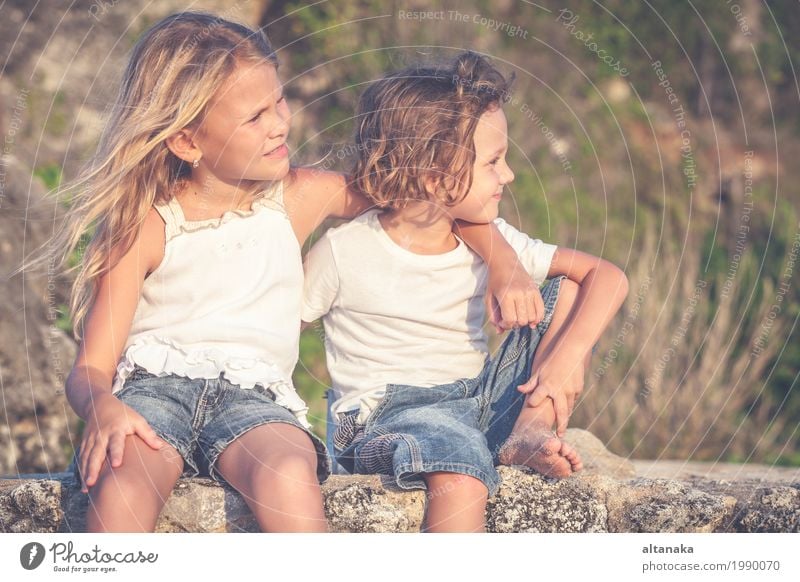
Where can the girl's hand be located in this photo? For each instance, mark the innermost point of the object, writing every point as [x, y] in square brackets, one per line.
[513, 299]
[559, 377]
[104, 434]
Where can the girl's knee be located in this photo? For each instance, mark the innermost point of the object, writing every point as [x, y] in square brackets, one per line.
[294, 467]
[143, 469]
[116, 486]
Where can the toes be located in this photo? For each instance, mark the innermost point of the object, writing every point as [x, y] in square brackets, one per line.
[572, 456]
[551, 446]
[557, 467]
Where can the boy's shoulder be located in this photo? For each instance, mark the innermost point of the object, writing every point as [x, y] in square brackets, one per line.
[358, 227]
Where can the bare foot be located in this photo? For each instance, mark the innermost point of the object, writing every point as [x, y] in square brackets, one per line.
[539, 448]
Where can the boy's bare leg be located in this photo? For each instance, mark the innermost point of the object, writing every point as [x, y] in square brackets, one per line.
[532, 441]
[129, 498]
[274, 467]
[456, 503]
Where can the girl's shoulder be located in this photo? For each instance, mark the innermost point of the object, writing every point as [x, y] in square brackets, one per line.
[311, 182]
[310, 196]
[152, 239]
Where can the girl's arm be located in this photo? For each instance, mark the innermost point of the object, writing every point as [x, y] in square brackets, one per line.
[602, 289]
[311, 196]
[106, 328]
[512, 297]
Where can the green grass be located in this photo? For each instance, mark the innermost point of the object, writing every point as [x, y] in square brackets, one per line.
[50, 175]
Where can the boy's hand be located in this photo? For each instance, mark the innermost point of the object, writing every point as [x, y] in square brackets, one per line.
[560, 378]
[104, 434]
[513, 299]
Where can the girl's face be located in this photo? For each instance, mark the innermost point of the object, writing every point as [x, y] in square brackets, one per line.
[243, 135]
[490, 172]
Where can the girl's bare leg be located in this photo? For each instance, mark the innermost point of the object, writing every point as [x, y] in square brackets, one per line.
[532, 441]
[129, 498]
[456, 503]
[274, 467]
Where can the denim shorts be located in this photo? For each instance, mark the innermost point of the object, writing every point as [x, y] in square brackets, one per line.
[457, 427]
[201, 417]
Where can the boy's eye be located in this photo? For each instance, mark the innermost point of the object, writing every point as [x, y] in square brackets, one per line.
[256, 118]
[494, 161]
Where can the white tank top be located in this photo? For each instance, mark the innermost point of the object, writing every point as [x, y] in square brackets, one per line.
[226, 298]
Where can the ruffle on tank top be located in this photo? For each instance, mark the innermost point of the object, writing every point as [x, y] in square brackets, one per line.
[179, 224]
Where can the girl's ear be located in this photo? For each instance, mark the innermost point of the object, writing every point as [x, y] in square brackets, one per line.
[182, 144]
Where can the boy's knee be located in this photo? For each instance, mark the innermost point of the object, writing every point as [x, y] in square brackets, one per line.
[568, 291]
[465, 486]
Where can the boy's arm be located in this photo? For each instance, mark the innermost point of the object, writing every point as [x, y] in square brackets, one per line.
[603, 288]
[560, 375]
[512, 296]
[321, 282]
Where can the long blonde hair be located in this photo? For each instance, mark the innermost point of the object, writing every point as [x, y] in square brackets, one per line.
[174, 71]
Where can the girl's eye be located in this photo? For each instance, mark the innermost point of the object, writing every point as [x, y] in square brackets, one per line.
[256, 118]
[494, 161]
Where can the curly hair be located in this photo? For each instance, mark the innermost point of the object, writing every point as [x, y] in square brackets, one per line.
[416, 128]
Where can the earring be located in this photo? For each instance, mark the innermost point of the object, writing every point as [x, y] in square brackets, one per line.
[196, 163]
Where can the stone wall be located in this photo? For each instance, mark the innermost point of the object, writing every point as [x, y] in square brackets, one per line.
[607, 496]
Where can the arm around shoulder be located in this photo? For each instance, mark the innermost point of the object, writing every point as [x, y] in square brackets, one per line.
[313, 195]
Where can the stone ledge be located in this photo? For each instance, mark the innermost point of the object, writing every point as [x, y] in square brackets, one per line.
[606, 496]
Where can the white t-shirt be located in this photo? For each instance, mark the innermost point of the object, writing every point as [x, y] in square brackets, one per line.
[392, 316]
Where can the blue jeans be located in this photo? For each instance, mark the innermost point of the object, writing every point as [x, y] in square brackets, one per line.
[201, 417]
[457, 427]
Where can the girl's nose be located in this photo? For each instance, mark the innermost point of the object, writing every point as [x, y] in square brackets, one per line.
[284, 119]
[280, 129]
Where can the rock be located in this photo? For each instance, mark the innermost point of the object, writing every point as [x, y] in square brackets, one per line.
[361, 503]
[660, 505]
[597, 459]
[771, 508]
[31, 506]
[526, 502]
[759, 506]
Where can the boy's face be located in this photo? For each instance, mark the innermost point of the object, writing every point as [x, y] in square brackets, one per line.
[490, 172]
[243, 134]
